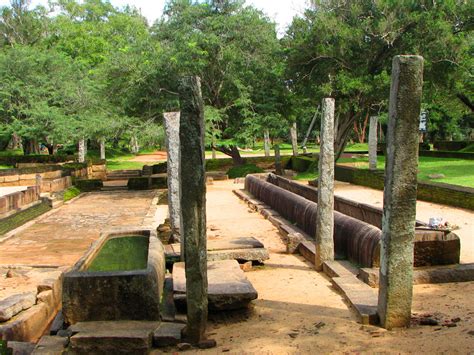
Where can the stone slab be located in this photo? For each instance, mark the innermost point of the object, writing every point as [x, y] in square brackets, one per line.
[340, 268]
[258, 255]
[307, 249]
[114, 337]
[228, 287]
[50, 345]
[21, 348]
[426, 275]
[361, 297]
[11, 306]
[168, 334]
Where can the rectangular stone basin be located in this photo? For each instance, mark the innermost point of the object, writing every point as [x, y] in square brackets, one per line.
[120, 278]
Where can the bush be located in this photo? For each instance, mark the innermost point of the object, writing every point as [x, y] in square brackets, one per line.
[243, 170]
[89, 184]
[302, 163]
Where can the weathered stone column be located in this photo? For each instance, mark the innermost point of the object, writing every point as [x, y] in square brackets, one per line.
[81, 151]
[193, 205]
[266, 142]
[373, 142]
[294, 139]
[171, 123]
[278, 167]
[399, 211]
[102, 148]
[325, 217]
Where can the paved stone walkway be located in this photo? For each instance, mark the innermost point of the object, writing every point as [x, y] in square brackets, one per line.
[63, 236]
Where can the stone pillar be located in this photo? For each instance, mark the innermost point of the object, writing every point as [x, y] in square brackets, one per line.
[266, 142]
[81, 151]
[171, 123]
[193, 205]
[214, 154]
[39, 182]
[278, 167]
[102, 148]
[294, 139]
[399, 210]
[373, 143]
[325, 216]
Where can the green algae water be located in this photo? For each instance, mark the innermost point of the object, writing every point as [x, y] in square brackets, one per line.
[122, 254]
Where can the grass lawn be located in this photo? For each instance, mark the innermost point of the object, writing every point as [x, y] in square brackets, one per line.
[5, 167]
[456, 171]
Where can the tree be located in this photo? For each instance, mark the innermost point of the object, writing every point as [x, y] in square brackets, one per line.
[343, 49]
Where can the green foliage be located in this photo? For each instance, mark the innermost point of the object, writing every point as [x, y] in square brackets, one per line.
[71, 193]
[243, 170]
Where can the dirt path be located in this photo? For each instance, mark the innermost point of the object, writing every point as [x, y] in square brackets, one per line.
[298, 311]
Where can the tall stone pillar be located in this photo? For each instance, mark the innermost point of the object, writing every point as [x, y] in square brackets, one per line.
[294, 139]
[325, 217]
[102, 148]
[266, 142]
[171, 123]
[193, 205]
[399, 211]
[278, 167]
[82, 150]
[373, 143]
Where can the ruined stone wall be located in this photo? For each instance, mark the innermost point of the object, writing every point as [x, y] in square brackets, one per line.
[18, 200]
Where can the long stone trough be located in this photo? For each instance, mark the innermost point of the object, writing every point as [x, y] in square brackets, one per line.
[354, 239]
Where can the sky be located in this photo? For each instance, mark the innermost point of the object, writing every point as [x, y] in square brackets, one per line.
[281, 11]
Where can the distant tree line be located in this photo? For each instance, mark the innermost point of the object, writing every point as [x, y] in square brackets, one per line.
[88, 70]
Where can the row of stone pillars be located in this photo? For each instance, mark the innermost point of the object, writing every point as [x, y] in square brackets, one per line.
[399, 211]
[188, 208]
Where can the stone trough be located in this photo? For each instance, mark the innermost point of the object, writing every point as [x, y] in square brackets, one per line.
[106, 284]
[355, 240]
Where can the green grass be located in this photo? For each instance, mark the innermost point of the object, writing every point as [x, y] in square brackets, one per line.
[70, 193]
[357, 147]
[456, 171]
[306, 176]
[11, 152]
[126, 165]
[20, 218]
[5, 167]
[468, 149]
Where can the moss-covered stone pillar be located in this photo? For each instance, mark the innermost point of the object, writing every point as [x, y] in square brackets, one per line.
[399, 212]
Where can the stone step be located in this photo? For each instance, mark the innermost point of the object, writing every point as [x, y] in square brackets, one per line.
[361, 297]
[168, 334]
[114, 188]
[228, 287]
[114, 337]
[339, 268]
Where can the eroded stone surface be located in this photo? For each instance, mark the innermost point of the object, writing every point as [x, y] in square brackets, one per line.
[373, 142]
[13, 305]
[228, 287]
[398, 224]
[168, 334]
[50, 345]
[325, 217]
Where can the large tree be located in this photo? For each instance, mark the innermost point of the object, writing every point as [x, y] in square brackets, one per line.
[344, 48]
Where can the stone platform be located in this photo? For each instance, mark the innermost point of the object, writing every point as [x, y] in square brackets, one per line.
[228, 287]
[242, 249]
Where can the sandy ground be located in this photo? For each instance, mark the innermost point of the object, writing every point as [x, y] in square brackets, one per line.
[299, 312]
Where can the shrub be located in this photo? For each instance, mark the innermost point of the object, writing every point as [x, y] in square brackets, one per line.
[243, 170]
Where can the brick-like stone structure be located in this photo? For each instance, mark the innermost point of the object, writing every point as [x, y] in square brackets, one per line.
[325, 217]
[193, 205]
[398, 225]
[171, 123]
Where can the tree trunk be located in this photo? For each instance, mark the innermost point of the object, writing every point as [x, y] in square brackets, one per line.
[134, 145]
[233, 152]
[50, 147]
[343, 129]
[30, 146]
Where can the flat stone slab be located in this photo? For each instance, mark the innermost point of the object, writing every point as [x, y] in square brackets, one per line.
[245, 248]
[21, 348]
[11, 306]
[115, 337]
[339, 268]
[50, 345]
[228, 287]
[361, 296]
[168, 334]
[426, 275]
